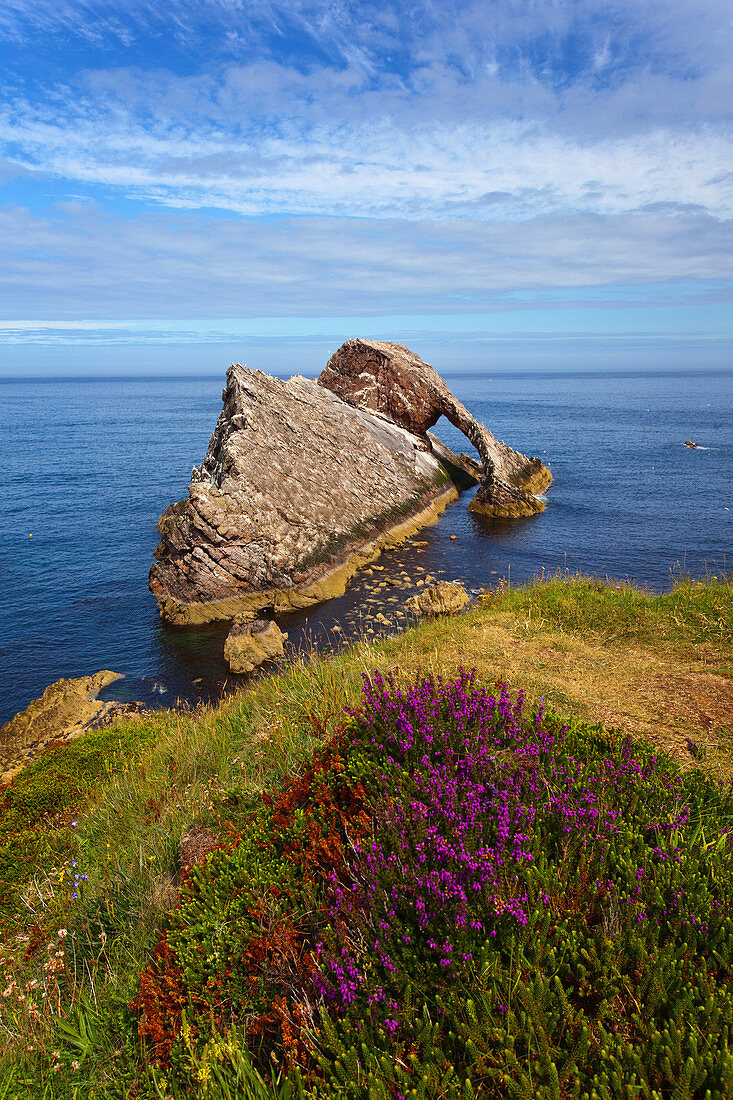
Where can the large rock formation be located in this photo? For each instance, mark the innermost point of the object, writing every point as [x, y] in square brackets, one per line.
[301, 486]
[391, 379]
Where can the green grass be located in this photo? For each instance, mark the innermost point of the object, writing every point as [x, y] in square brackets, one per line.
[691, 613]
[135, 788]
[38, 809]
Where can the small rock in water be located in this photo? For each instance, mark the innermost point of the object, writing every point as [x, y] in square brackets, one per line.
[251, 642]
[439, 599]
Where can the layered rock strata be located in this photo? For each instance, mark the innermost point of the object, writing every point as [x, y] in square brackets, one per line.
[297, 490]
[301, 486]
[391, 379]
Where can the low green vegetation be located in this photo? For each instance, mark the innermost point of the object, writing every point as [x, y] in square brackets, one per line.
[37, 810]
[693, 612]
[446, 892]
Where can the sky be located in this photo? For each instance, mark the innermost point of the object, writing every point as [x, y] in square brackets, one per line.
[496, 183]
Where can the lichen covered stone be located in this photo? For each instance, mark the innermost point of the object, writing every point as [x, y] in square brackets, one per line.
[251, 642]
[442, 598]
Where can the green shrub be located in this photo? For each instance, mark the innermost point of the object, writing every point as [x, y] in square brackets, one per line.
[456, 900]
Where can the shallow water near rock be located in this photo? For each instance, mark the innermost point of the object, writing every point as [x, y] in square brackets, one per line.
[89, 465]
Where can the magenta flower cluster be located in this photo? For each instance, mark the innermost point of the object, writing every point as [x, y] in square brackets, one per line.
[471, 794]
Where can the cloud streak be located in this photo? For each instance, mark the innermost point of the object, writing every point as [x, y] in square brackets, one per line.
[406, 111]
[366, 163]
[85, 262]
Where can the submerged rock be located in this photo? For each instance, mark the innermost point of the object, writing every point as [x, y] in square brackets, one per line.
[251, 642]
[442, 598]
[304, 482]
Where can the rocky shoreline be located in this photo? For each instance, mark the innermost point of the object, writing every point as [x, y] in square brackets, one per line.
[65, 710]
[304, 484]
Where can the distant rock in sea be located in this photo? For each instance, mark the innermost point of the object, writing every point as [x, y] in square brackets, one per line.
[304, 482]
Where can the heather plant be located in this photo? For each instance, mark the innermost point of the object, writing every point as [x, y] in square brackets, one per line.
[455, 899]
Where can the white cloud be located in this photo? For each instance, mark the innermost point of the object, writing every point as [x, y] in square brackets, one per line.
[430, 154]
[317, 107]
[188, 143]
[84, 262]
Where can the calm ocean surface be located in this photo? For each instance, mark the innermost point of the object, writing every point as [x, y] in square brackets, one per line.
[87, 466]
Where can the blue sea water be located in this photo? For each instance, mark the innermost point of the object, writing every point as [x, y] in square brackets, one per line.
[88, 465]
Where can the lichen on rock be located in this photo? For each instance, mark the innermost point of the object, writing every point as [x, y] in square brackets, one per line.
[65, 709]
[251, 642]
[441, 598]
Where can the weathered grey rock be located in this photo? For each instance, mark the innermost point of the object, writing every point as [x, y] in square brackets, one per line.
[298, 489]
[391, 379]
[251, 642]
[441, 598]
[302, 485]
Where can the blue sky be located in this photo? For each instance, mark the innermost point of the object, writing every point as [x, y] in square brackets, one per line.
[505, 183]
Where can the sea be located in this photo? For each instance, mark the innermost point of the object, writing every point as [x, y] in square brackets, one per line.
[87, 465]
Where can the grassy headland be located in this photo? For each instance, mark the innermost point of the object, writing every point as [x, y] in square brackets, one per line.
[89, 838]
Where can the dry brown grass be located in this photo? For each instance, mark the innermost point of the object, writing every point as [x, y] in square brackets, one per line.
[663, 692]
